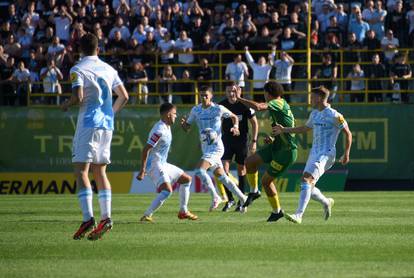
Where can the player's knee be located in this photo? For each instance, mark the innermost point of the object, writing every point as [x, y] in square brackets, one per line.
[185, 179]
[166, 193]
[224, 179]
[200, 172]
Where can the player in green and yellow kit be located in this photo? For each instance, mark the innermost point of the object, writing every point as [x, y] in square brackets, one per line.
[279, 154]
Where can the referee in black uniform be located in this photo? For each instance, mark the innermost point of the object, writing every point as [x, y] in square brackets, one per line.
[237, 147]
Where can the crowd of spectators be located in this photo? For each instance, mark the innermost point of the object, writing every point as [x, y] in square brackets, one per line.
[39, 43]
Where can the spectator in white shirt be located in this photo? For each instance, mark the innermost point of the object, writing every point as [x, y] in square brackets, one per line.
[34, 17]
[51, 76]
[261, 71]
[390, 44]
[56, 48]
[283, 72]
[159, 31]
[119, 26]
[22, 77]
[62, 24]
[166, 47]
[357, 83]
[184, 45]
[237, 71]
[145, 23]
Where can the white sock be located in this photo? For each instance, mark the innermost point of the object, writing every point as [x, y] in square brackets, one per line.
[205, 179]
[304, 197]
[184, 196]
[105, 200]
[318, 196]
[157, 202]
[232, 187]
[85, 201]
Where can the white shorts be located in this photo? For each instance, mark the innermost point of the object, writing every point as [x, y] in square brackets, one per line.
[92, 145]
[317, 165]
[163, 173]
[214, 159]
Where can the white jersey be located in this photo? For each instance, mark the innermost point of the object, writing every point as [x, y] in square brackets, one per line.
[159, 138]
[326, 125]
[98, 79]
[209, 122]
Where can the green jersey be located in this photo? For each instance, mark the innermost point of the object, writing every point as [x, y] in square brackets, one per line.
[280, 113]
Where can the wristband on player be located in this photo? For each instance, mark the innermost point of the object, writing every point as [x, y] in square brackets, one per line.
[236, 126]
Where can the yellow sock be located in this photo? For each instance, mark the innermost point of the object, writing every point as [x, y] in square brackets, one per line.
[274, 202]
[233, 179]
[220, 187]
[253, 180]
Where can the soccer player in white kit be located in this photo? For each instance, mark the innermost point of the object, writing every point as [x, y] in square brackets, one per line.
[163, 174]
[208, 117]
[92, 85]
[326, 124]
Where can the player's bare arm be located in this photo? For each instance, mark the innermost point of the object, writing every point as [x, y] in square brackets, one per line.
[235, 129]
[348, 142]
[144, 158]
[255, 132]
[75, 98]
[122, 98]
[258, 106]
[279, 129]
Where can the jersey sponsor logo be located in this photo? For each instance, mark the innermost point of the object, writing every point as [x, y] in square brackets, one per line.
[276, 165]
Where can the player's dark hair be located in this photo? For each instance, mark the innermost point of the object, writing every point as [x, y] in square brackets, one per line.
[229, 83]
[321, 91]
[88, 44]
[274, 89]
[205, 88]
[166, 107]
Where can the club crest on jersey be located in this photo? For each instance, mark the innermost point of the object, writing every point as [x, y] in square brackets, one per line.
[73, 77]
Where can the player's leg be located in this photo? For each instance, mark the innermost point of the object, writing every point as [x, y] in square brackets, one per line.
[83, 150]
[314, 169]
[281, 161]
[228, 183]
[240, 157]
[230, 199]
[165, 192]
[185, 181]
[201, 173]
[85, 195]
[317, 195]
[252, 163]
[272, 197]
[105, 201]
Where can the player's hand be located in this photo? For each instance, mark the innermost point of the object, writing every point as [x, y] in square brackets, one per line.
[277, 129]
[268, 140]
[183, 123]
[253, 147]
[141, 175]
[235, 131]
[238, 92]
[344, 159]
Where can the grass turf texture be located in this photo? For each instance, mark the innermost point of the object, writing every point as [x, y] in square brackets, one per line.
[371, 234]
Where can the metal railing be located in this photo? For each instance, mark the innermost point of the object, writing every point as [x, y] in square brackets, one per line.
[218, 64]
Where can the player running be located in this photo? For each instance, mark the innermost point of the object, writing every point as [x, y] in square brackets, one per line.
[208, 116]
[326, 124]
[237, 147]
[279, 155]
[92, 83]
[163, 174]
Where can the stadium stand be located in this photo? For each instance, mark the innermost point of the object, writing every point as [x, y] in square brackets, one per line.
[181, 34]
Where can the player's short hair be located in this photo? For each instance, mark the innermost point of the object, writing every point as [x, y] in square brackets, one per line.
[229, 83]
[274, 88]
[205, 88]
[88, 44]
[166, 107]
[321, 91]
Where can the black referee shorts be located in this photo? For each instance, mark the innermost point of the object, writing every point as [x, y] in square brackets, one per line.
[237, 150]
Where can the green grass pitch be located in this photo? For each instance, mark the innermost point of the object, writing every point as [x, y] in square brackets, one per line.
[371, 234]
